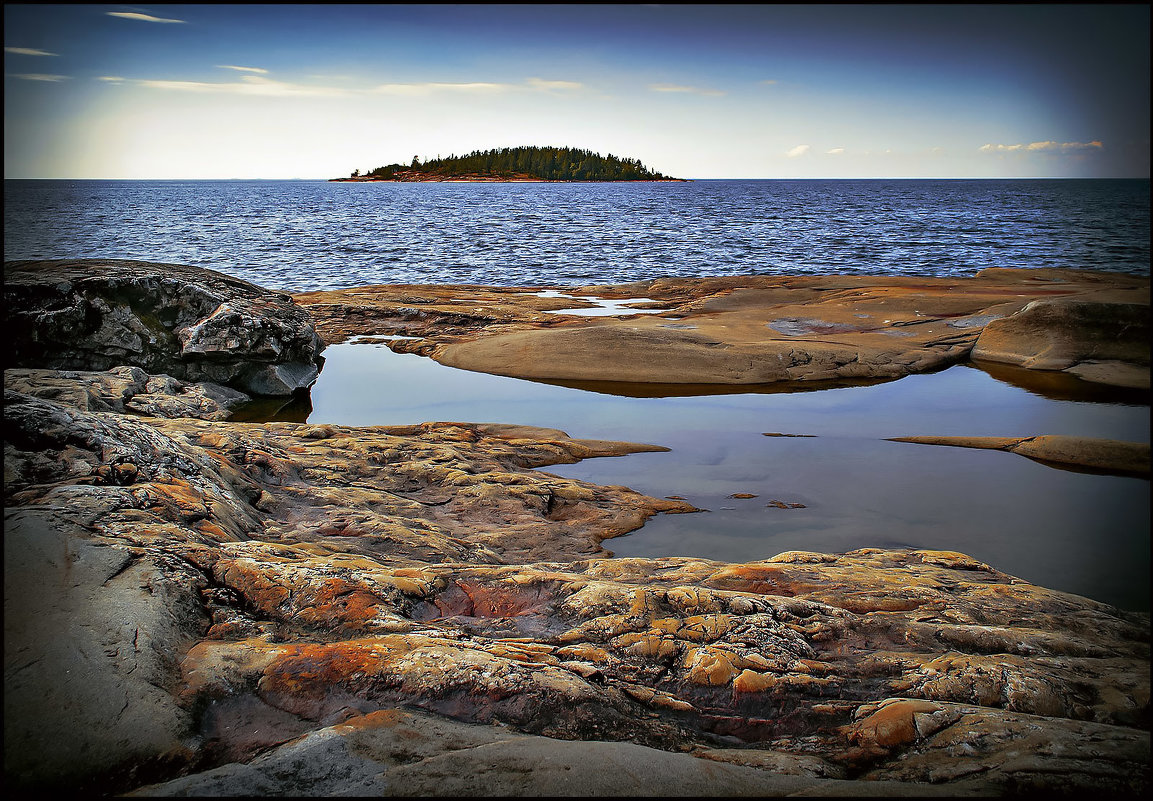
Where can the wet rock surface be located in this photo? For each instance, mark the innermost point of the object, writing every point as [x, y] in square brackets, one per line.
[762, 329]
[191, 324]
[196, 606]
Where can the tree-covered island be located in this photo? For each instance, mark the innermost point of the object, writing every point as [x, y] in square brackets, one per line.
[517, 164]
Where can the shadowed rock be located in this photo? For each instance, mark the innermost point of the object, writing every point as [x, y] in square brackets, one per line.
[192, 324]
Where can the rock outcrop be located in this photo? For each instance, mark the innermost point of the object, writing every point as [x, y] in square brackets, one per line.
[761, 329]
[205, 607]
[1103, 338]
[128, 390]
[198, 606]
[192, 324]
[1104, 455]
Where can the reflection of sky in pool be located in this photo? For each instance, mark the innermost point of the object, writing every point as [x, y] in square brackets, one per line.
[1081, 533]
[603, 308]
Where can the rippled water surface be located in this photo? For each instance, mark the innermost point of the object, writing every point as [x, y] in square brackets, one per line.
[306, 235]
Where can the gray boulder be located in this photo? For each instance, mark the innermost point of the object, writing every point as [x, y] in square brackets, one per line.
[193, 324]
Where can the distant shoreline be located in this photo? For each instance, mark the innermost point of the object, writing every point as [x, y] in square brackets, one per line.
[480, 179]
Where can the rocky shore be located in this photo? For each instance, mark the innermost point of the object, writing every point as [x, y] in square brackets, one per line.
[195, 606]
[764, 329]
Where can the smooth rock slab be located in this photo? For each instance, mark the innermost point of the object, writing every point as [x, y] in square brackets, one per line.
[92, 637]
[1107, 455]
[406, 753]
[762, 329]
[1104, 338]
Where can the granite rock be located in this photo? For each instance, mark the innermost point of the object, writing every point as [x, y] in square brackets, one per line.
[1102, 338]
[196, 606]
[192, 324]
[236, 608]
[761, 329]
[128, 390]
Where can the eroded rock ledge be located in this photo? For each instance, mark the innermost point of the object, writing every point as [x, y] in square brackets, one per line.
[762, 329]
[1105, 455]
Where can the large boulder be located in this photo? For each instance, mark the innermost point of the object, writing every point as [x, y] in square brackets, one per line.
[192, 324]
[1103, 338]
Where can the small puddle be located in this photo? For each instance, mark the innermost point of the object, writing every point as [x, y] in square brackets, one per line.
[371, 339]
[603, 308]
[838, 487]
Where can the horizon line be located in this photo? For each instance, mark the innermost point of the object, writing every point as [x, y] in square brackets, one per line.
[671, 180]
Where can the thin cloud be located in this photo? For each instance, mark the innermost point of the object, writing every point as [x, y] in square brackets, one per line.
[37, 76]
[249, 85]
[769, 83]
[426, 88]
[258, 85]
[141, 17]
[257, 70]
[110, 78]
[695, 90]
[798, 151]
[28, 51]
[539, 83]
[836, 151]
[1045, 147]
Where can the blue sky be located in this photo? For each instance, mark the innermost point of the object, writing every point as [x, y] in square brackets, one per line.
[714, 91]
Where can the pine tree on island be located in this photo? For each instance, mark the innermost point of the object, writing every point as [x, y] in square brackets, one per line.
[517, 164]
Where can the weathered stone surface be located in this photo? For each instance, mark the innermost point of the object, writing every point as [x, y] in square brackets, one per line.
[1106, 455]
[1017, 753]
[1104, 337]
[759, 329]
[93, 635]
[250, 604]
[127, 390]
[407, 753]
[192, 324]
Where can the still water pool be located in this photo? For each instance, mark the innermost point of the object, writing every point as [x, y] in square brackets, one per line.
[842, 484]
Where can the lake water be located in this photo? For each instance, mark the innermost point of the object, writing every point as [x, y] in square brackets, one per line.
[1072, 531]
[308, 235]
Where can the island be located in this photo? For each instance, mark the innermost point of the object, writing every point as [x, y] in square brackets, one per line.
[515, 164]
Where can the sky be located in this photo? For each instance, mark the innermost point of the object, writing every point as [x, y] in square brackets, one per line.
[281, 91]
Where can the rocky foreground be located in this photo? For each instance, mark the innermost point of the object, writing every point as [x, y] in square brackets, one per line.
[201, 607]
